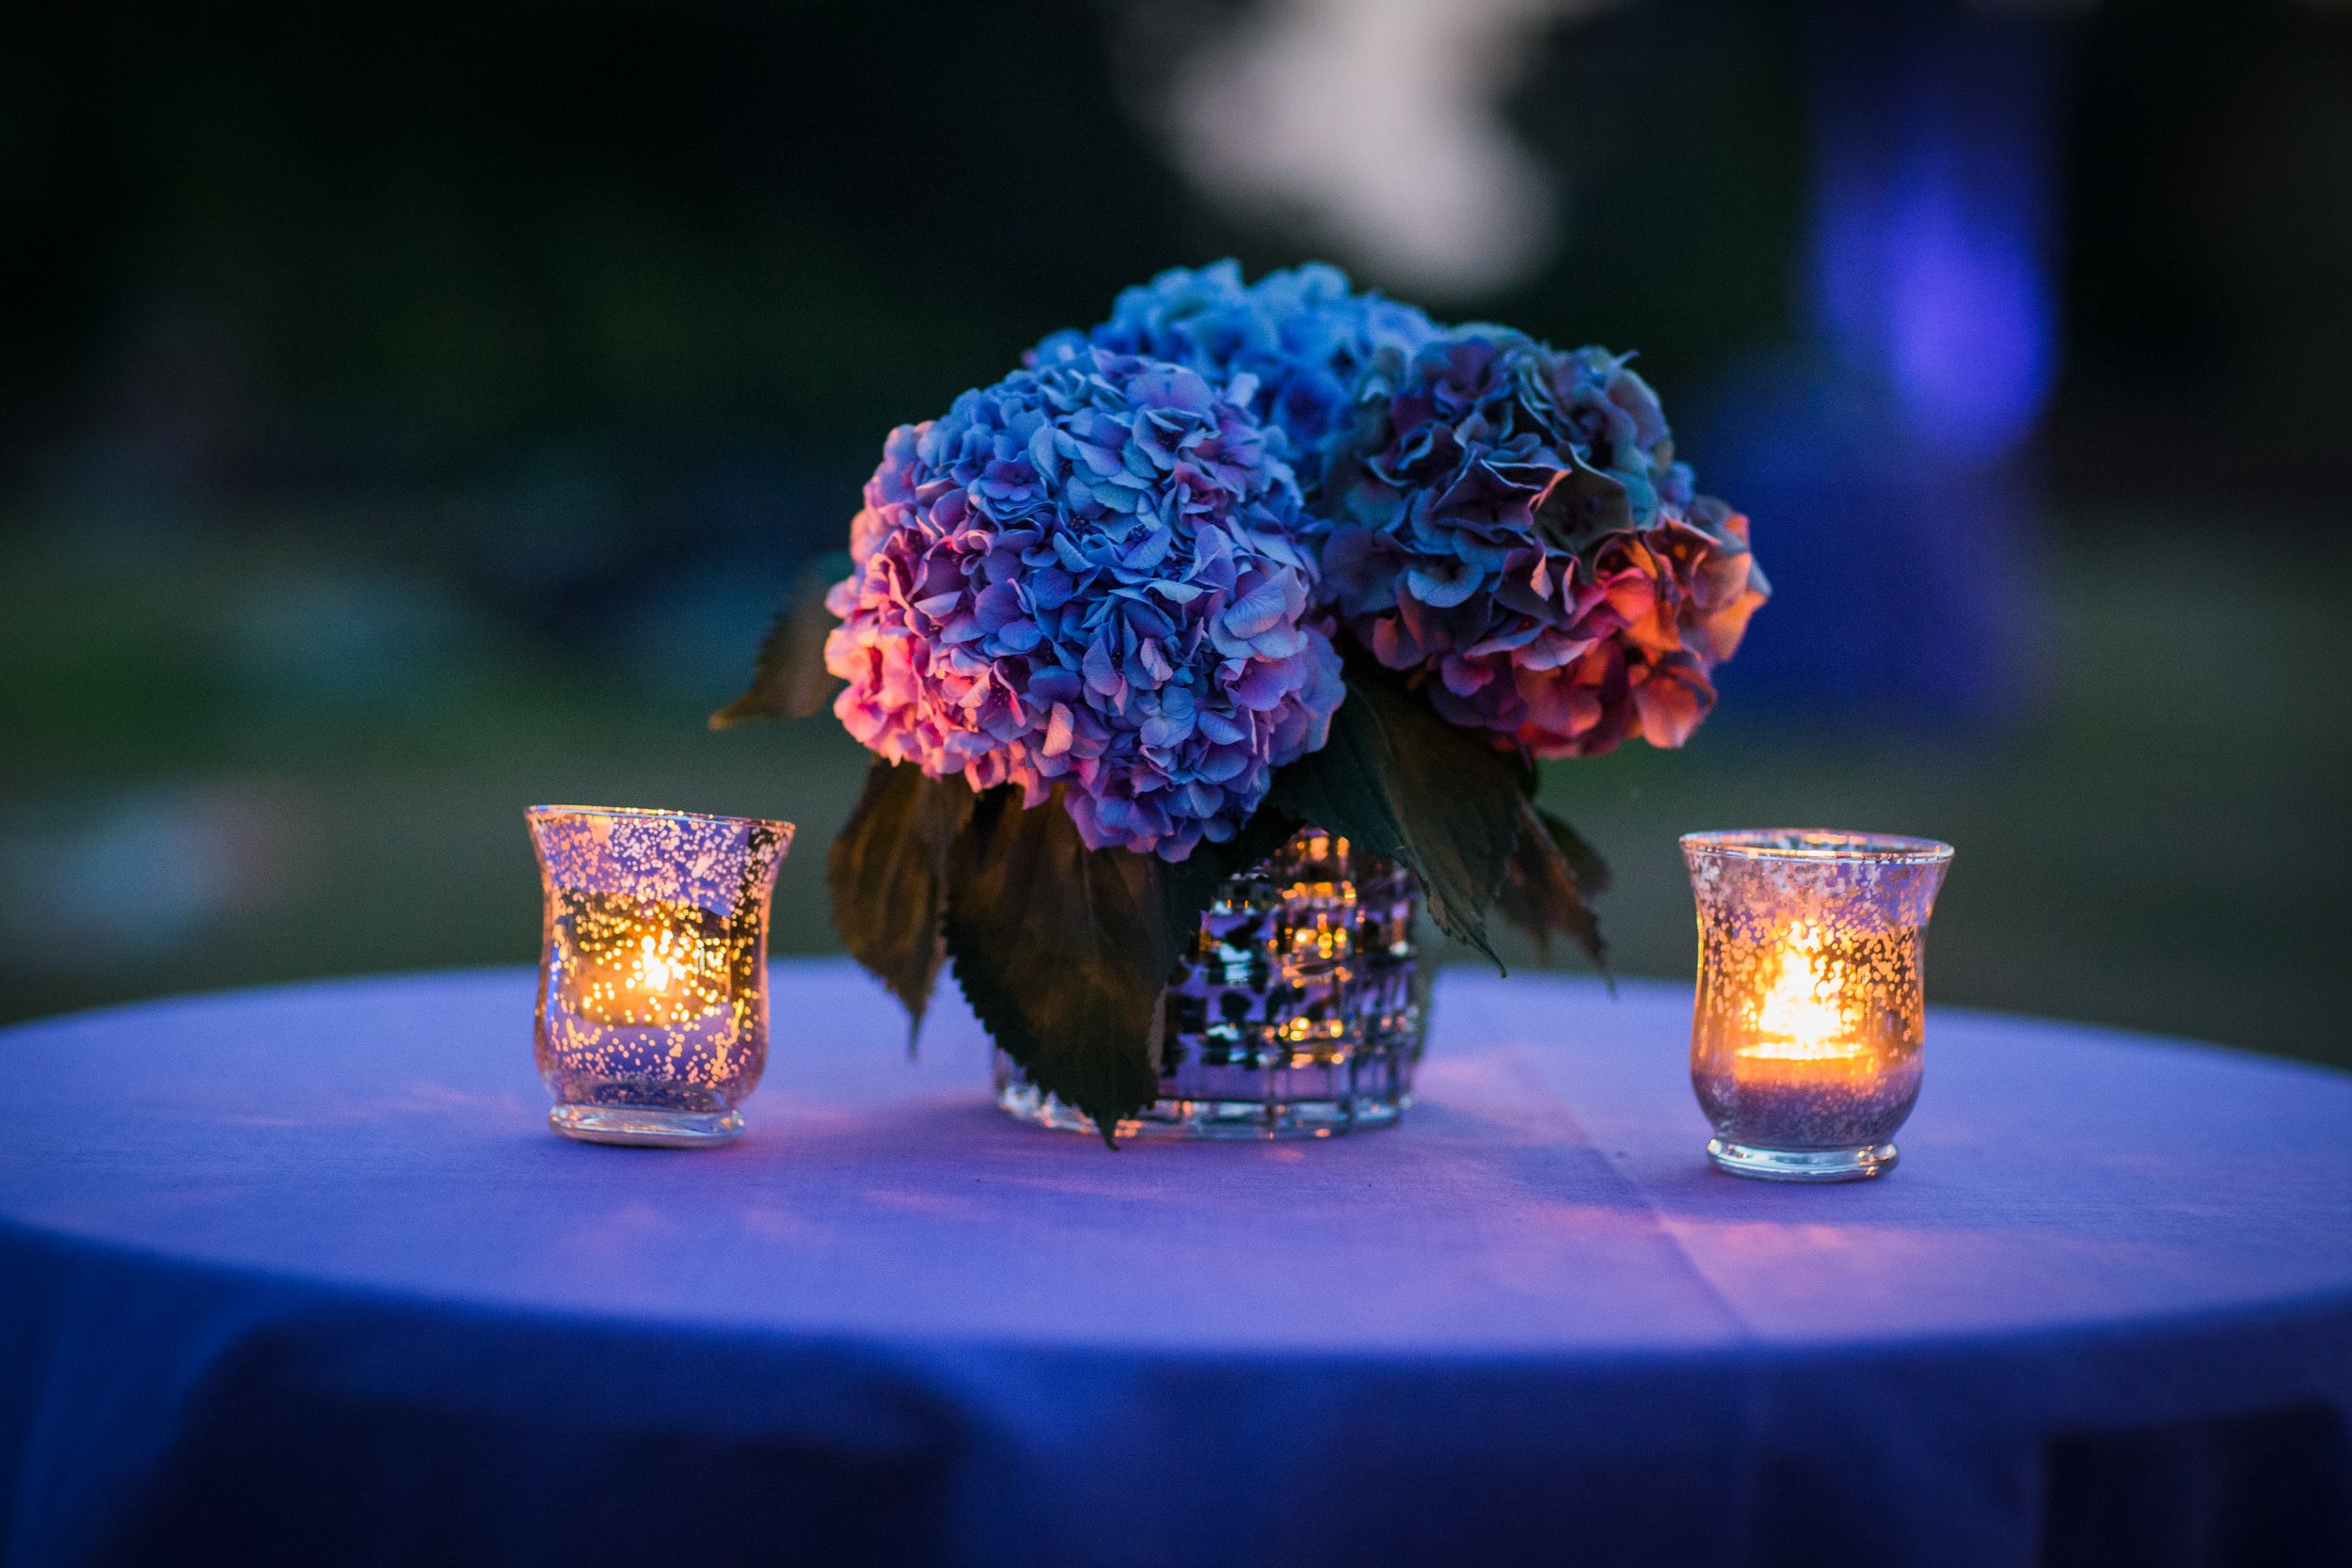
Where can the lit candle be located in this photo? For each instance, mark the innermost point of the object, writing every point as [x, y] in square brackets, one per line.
[1800, 1033]
[642, 962]
[1806, 1032]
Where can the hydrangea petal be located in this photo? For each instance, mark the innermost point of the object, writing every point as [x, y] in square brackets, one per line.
[1519, 528]
[1045, 595]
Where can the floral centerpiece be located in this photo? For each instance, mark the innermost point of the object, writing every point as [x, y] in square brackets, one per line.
[1244, 560]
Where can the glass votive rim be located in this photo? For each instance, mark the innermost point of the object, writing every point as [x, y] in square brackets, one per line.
[1810, 845]
[537, 814]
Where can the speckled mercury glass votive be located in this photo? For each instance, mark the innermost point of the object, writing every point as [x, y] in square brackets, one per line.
[1806, 1032]
[653, 976]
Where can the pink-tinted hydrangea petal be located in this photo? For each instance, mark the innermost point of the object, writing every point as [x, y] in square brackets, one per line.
[1047, 596]
[1606, 622]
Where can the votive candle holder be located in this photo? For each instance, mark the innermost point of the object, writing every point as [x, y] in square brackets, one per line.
[1809, 1019]
[652, 1016]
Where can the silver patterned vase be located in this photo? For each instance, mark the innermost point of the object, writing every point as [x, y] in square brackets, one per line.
[1298, 1012]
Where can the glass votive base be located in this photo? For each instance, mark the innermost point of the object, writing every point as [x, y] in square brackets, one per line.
[1801, 1165]
[645, 1127]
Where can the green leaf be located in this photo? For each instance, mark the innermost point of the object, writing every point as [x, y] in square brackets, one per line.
[1585, 861]
[888, 877]
[1547, 888]
[1189, 886]
[1397, 780]
[1064, 953]
[788, 678]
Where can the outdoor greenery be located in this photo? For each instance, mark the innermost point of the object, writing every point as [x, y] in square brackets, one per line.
[2155, 844]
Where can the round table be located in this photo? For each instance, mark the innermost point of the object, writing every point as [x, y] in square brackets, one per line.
[300, 1276]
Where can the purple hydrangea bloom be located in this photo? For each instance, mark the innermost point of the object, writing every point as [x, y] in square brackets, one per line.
[1519, 529]
[1311, 346]
[1089, 574]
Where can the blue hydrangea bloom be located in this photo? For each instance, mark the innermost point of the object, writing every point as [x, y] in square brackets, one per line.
[1089, 575]
[1519, 528]
[1311, 347]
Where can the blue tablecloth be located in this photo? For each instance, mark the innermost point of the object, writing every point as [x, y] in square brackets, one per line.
[300, 1277]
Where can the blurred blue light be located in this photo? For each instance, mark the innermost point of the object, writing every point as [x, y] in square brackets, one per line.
[1882, 459]
[1929, 250]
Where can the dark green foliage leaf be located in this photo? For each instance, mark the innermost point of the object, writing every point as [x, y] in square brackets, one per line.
[888, 877]
[1400, 781]
[1585, 861]
[1547, 886]
[1064, 952]
[789, 679]
[1344, 787]
[1189, 886]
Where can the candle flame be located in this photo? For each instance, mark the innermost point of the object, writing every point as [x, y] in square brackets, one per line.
[642, 963]
[654, 970]
[1803, 1012]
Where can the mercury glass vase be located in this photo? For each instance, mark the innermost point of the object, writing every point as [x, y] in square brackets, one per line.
[1298, 1011]
[1810, 1015]
[652, 1021]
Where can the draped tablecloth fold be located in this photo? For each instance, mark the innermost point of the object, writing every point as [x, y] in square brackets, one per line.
[300, 1276]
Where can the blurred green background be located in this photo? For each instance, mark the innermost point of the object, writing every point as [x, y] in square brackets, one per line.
[410, 416]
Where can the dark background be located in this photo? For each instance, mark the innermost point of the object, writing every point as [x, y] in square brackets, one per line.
[409, 414]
